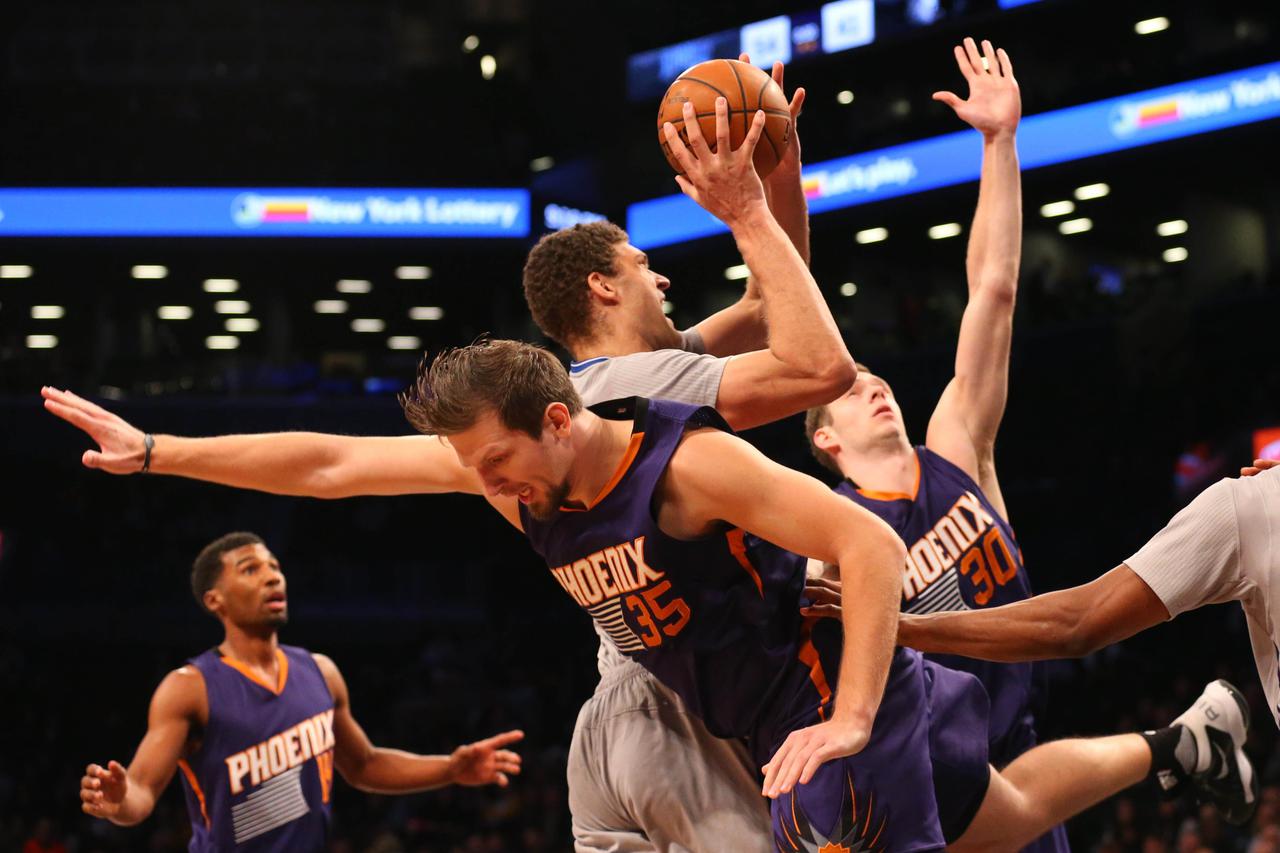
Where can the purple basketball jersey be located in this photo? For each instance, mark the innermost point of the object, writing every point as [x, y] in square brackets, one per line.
[261, 777]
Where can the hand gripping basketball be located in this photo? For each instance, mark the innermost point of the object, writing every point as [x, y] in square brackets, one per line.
[121, 447]
[723, 180]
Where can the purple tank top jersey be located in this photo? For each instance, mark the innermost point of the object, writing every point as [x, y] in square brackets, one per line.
[261, 777]
[716, 619]
[962, 555]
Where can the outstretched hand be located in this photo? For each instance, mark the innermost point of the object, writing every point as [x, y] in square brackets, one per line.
[102, 789]
[485, 762]
[994, 105]
[120, 444]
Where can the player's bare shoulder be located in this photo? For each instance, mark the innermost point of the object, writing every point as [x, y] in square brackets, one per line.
[182, 693]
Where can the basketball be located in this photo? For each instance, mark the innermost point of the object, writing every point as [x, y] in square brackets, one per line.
[747, 89]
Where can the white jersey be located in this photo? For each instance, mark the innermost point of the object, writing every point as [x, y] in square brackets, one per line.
[1225, 546]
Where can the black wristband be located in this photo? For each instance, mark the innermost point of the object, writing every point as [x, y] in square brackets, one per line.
[148, 442]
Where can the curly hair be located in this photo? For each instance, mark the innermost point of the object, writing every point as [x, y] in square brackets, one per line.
[555, 278]
[208, 564]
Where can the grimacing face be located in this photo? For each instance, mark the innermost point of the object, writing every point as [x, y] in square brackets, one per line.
[642, 292]
[513, 463]
[251, 589]
[866, 415]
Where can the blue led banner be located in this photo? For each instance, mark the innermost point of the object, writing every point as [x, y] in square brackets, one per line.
[1157, 115]
[147, 212]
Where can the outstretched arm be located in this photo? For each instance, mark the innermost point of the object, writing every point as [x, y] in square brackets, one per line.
[964, 425]
[128, 796]
[761, 497]
[392, 771]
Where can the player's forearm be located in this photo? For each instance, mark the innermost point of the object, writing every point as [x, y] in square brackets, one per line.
[290, 463]
[802, 332]
[871, 578]
[789, 206]
[136, 807]
[392, 771]
[995, 238]
[1039, 628]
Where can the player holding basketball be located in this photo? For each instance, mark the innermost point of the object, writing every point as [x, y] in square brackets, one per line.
[257, 727]
[944, 498]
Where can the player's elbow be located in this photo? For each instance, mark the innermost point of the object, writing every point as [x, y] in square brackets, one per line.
[999, 287]
[835, 374]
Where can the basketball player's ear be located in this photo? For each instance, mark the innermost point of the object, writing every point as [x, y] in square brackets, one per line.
[824, 438]
[603, 288]
[557, 419]
[213, 601]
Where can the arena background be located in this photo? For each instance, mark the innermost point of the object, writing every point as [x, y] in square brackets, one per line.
[1137, 378]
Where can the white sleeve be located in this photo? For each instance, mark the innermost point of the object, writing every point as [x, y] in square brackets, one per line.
[668, 374]
[1195, 560]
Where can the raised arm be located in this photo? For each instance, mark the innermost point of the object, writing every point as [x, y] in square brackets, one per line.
[128, 796]
[743, 326]
[806, 362]
[288, 463]
[392, 771]
[1065, 624]
[964, 425]
[763, 497]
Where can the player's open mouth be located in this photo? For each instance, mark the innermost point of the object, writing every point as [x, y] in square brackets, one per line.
[276, 601]
[883, 410]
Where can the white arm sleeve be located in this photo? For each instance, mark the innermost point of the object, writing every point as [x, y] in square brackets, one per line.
[1195, 559]
[667, 374]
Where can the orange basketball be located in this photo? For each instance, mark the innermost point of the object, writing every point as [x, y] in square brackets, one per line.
[747, 89]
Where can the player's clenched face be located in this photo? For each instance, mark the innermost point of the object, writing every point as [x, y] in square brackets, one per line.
[513, 463]
[250, 592]
[865, 416]
[640, 294]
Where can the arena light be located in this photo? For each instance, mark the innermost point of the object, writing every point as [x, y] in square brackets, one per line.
[42, 341]
[403, 342]
[1172, 228]
[1076, 226]
[354, 285]
[231, 306]
[16, 271]
[1175, 255]
[242, 324]
[844, 96]
[848, 289]
[872, 235]
[413, 273]
[150, 271]
[1057, 208]
[367, 324]
[330, 306]
[220, 285]
[488, 67]
[47, 312]
[942, 232]
[221, 342]
[668, 307]
[1092, 191]
[737, 272]
[1151, 25]
[426, 312]
[470, 43]
[541, 164]
[174, 312]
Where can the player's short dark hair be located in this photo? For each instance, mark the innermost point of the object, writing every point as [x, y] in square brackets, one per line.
[516, 380]
[208, 565]
[555, 278]
[815, 419]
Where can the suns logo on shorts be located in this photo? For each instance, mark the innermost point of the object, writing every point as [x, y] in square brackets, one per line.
[860, 827]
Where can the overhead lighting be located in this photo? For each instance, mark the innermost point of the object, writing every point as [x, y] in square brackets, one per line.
[242, 324]
[42, 341]
[1089, 191]
[150, 271]
[1174, 255]
[367, 325]
[221, 285]
[47, 312]
[413, 273]
[488, 67]
[426, 312]
[231, 306]
[1076, 226]
[330, 306]
[541, 164]
[403, 342]
[668, 307]
[737, 272]
[174, 312]
[1172, 228]
[848, 289]
[222, 342]
[942, 232]
[844, 96]
[470, 43]
[354, 285]
[1057, 208]
[16, 271]
[1151, 25]
[872, 235]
